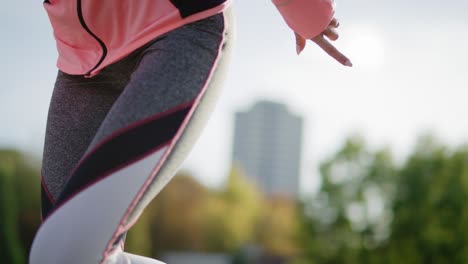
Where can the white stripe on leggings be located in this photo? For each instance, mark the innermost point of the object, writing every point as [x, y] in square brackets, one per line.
[79, 230]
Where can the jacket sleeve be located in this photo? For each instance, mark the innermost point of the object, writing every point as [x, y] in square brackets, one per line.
[308, 18]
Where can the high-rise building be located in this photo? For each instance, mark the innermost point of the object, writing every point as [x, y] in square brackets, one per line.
[267, 145]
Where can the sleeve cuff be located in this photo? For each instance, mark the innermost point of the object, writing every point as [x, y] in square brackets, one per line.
[308, 18]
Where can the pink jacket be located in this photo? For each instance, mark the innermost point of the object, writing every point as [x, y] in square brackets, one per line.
[91, 34]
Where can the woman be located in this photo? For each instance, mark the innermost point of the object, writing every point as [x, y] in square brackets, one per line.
[135, 85]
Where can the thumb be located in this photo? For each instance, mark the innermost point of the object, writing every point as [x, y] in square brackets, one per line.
[300, 43]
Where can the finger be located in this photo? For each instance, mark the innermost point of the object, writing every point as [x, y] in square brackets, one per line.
[331, 33]
[300, 43]
[335, 23]
[332, 51]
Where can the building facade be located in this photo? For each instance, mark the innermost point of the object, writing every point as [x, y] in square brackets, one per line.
[268, 146]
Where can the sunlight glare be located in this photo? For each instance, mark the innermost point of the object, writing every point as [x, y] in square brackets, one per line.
[365, 46]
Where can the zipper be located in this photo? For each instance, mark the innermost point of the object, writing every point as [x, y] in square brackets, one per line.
[103, 45]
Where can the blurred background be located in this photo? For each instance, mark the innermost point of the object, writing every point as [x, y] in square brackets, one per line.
[303, 160]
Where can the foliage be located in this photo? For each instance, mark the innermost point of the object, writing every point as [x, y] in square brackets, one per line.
[369, 210]
[19, 206]
[230, 215]
[172, 222]
[278, 227]
[186, 216]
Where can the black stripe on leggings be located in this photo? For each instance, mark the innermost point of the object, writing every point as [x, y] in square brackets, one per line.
[46, 203]
[190, 7]
[122, 148]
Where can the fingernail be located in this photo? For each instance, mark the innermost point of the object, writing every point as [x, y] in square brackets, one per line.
[298, 49]
[348, 63]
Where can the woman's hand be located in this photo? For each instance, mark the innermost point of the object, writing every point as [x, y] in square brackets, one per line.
[330, 33]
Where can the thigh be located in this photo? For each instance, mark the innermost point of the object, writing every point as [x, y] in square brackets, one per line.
[77, 108]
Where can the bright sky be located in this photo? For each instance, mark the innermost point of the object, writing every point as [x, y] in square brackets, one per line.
[409, 76]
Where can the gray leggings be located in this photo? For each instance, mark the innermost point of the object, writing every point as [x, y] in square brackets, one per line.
[115, 140]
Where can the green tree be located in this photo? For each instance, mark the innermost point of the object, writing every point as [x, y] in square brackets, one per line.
[19, 205]
[186, 216]
[278, 227]
[230, 215]
[172, 222]
[139, 240]
[349, 215]
[430, 212]
[369, 210]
